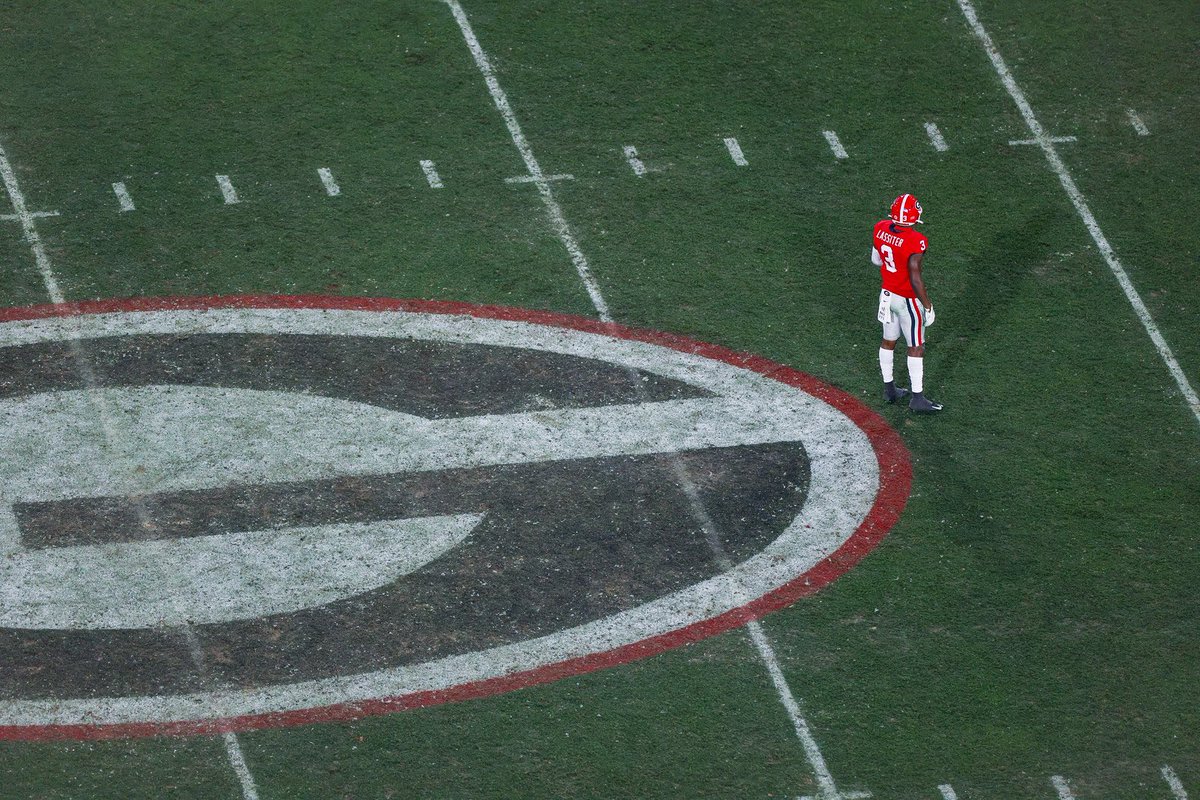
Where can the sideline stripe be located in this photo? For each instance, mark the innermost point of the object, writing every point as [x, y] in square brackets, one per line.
[43, 262]
[735, 152]
[835, 144]
[331, 187]
[1062, 787]
[947, 792]
[1173, 781]
[828, 790]
[431, 174]
[635, 163]
[227, 191]
[557, 221]
[1081, 207]
[123, 197]
[1136, 121]
[938, 141]
[31, 235]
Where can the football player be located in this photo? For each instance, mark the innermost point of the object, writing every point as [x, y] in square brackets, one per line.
[897, 248]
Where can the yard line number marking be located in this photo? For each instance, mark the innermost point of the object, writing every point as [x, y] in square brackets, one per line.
[331, 187]
[735, 152]
[935, 137]
[835, 144]
[827, 787]
[947, 792]
[1081, 207]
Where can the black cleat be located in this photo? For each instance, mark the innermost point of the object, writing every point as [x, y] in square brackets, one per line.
[923, 404]
[893, 393]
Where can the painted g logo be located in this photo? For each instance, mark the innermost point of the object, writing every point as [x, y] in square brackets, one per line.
[357, 506]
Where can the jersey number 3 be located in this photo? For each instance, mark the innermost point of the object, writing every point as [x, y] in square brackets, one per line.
[889, 259]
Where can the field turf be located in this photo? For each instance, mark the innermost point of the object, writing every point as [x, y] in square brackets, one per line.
[1033, 613]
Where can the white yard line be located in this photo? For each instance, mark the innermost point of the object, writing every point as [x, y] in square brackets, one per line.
[331, 187]
[227, 191]
[1173, 781]
[123, 196]
[947, 792]
[835, 144]
[635, 163]
[233, 750]
[1081, 207]
[557, 221]
[826, 786]
[431, 174]
[1136, 121]
[937, 140]
[237, 760]
[735, 152]
[1062, 787]
[31, 235]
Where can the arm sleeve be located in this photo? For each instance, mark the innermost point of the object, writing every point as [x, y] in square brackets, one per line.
[875, 259]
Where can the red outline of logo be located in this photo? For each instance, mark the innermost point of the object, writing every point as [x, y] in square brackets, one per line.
[895, 484]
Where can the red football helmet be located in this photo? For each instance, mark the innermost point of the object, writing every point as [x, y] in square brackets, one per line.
[906, 210]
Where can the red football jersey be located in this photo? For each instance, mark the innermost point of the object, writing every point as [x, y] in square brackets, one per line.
[895, 243]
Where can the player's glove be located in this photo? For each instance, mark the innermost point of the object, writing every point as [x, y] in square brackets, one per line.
[928, 316]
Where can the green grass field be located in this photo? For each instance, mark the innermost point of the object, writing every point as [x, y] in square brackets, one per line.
[1033, 613]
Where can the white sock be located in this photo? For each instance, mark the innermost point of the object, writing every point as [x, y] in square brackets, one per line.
[916, 373]
[886, 359]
